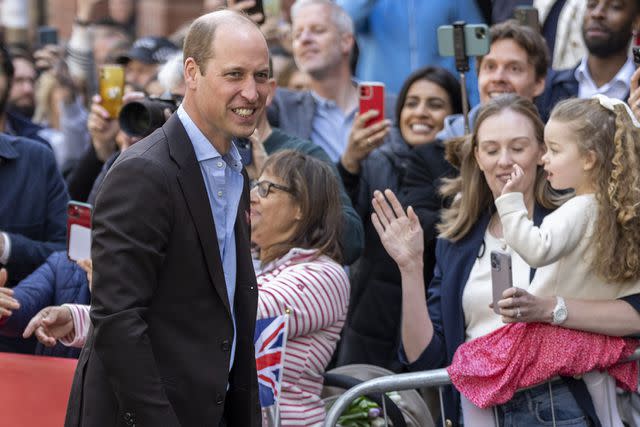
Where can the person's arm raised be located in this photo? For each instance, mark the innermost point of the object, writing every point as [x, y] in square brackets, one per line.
[401, 236]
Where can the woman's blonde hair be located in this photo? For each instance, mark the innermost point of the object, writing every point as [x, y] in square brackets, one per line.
[469, 191]
[615, 142]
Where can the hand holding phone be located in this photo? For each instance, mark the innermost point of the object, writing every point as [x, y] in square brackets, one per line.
[111, 83]
[371, 97]
[78, 230]
[501, 276]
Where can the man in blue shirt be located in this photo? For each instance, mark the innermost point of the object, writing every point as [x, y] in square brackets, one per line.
[323, 44]
[174, 292]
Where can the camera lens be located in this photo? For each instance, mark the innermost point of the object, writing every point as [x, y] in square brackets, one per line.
[480, 33]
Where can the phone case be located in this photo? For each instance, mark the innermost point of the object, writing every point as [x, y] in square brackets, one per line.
[501, 275]
[371, 96]
[477, 40]
[112, 88]
[78, 230]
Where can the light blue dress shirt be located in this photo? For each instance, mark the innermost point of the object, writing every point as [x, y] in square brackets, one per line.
[331, 127]
[223, 180]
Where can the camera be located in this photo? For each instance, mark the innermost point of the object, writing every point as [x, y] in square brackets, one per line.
[495, 262]
[141, 118]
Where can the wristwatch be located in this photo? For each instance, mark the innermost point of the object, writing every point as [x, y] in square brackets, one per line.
[559, 312]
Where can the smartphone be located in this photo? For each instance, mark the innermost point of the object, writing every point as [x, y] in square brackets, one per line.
[244, 148]
[371, 96]
[477, 40]
[111, 83]
[47, 35]
[501, 276]
[78, 230]
[527, 16]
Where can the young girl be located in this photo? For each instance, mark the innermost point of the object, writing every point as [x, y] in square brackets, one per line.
[589, 248]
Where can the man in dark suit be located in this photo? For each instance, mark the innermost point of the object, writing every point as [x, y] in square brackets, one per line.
[174, 291]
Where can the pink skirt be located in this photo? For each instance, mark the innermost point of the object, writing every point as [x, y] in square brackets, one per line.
[490, 369]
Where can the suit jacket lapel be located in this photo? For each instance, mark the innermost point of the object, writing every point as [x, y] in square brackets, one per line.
[195, 194]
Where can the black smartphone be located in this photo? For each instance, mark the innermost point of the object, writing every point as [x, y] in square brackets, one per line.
[47, 35]
[257, 8]
[244, 148]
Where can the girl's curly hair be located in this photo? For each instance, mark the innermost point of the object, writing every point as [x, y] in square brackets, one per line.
[615, 141]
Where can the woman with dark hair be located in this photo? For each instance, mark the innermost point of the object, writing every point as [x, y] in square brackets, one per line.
[426, 98]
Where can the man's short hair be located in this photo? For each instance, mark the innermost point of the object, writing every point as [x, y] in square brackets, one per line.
[198, 44]
[339, 16]
[528, 39]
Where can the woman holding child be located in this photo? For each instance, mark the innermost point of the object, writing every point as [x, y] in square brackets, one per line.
[455, 309]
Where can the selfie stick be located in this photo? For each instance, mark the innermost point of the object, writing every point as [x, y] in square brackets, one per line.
[462, 65]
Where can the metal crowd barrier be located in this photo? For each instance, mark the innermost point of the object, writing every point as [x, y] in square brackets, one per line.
[432, 378]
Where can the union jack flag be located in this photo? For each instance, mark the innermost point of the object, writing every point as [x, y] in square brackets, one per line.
[270, 340]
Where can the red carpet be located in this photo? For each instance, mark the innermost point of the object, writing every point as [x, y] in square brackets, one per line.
[34, 389]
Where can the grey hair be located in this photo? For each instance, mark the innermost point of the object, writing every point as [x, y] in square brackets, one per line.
[339, 16]
[171, 72]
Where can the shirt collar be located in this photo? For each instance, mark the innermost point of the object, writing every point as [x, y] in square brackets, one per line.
[329, 103]
[203, 148]
[623, 75]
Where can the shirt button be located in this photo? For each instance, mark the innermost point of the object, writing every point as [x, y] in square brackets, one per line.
[225, 346]
[220, 164]
[220, 193]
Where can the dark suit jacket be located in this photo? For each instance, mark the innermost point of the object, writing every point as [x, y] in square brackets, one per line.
[159, 350]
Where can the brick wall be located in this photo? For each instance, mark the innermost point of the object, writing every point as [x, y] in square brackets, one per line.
[155, 17]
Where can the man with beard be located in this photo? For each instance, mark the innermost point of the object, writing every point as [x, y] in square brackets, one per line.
[22, 94]
[607, 30]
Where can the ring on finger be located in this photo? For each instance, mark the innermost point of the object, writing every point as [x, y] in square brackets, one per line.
[518, 314]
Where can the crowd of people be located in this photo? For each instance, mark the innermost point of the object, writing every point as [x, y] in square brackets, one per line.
[260, 189]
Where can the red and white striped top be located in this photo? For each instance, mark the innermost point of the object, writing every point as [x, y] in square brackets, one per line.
[316, 291]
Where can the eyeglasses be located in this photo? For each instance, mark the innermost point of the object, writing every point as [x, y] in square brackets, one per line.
[264, 187]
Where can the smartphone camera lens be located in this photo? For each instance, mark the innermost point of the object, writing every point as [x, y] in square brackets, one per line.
[494, 263]
[480, 33]
[364, 91]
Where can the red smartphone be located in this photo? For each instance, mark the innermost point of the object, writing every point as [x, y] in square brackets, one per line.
[501, 276]
[78, 230]
[371, 96]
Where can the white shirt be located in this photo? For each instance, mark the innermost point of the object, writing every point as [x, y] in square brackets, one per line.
[617, 88]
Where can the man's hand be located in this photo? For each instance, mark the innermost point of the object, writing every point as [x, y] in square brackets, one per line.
[103, 129]
[242, 6]
[516, 182]
[7, 302]
[50, 324]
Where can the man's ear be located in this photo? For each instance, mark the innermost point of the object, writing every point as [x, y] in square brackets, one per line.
[272, 91]
[538, 88]
[346, 43]
[191, 72]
